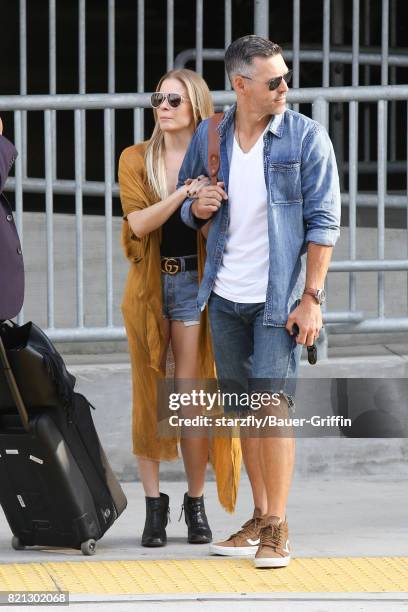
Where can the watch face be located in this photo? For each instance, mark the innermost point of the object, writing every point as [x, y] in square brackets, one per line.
[321, 295]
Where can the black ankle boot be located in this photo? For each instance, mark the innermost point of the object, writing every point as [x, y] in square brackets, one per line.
[199, 531]
[157, 509]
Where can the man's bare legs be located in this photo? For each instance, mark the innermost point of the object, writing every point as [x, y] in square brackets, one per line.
[271, 483]
[251, 455]
[277, 459]
[269, 462]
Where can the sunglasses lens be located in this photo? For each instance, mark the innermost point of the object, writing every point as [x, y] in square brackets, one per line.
[156, 99]
[174, 100]
[288, 77]
[274, 83]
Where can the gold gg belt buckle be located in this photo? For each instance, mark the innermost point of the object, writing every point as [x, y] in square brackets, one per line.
[169, 265]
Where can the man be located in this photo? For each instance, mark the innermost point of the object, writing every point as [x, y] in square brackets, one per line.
[269, 245]
[11, 259]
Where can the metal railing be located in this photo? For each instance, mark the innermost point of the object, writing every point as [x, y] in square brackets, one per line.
[332, 54]
[351, 320]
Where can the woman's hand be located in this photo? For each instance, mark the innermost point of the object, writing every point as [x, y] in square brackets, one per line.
[193, 186]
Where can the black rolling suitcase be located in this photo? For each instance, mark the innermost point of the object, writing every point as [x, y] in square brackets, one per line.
[56, 485]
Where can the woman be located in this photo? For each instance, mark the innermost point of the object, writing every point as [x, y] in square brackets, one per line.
[159, 304]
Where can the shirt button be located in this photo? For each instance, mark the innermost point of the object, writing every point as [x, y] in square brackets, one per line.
[19, 251]
[9, 217]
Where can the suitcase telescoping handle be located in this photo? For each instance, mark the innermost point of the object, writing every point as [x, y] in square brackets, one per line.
[11, 381]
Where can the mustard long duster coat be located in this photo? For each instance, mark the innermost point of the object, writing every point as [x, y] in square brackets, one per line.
[142, 312]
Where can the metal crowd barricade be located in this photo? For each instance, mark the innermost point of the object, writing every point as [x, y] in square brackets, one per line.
[350, 321]
[331, 52]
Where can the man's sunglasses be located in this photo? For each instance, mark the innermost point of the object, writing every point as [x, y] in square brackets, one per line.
[174, 99]
[273, 83]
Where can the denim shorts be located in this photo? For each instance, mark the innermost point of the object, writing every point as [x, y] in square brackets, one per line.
[251, 357]
[179, 293]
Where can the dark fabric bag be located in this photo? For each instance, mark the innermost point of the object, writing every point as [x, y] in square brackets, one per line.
[39, 370]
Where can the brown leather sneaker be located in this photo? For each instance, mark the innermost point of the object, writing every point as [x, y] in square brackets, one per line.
[274, 548]
[244, 542]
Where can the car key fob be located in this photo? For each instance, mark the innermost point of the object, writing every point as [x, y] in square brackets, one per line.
[311, 350]
[312, 354]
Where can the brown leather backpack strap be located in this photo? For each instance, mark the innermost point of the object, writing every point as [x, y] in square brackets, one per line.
[214, 146]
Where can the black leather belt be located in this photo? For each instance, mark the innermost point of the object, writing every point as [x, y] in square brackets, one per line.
[173, 265]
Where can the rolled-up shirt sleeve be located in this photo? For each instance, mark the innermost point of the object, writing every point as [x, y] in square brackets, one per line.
[320, 188]
[192, 167]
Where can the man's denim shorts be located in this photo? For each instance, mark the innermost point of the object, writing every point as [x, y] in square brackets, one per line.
[180, 295]
[251, 357]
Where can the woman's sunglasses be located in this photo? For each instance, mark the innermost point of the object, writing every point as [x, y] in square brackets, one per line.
[174, 99]
[274, 83]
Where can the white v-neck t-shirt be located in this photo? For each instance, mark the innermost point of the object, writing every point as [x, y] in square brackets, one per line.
[243, 274]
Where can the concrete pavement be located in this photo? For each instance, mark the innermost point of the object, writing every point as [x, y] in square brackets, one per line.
[333, 516]
[328, 518]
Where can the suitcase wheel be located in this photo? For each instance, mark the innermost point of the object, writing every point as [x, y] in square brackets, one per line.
[88, 548]
[16, 543]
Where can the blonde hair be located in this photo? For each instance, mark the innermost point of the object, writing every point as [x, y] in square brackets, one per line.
[202, 106]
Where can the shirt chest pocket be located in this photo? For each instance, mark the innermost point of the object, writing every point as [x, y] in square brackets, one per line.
[285, 183]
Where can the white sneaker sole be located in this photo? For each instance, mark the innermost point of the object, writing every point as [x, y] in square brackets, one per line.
[234, 551]
[272, 561]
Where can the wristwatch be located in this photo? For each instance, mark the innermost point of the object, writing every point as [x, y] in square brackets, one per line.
[318, 294]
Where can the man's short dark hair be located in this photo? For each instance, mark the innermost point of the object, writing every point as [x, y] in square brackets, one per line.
[241, 52]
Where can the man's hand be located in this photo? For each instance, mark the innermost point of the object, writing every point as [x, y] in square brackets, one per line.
[1, 126]
[208, 201]
[308, 317]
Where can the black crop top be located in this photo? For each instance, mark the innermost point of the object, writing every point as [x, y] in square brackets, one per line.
[178, 239]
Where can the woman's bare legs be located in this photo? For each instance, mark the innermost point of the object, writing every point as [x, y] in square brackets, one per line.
[149, 475]
[149, 468]
[184, 342]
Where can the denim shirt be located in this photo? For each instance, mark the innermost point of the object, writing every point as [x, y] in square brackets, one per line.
[303, 203]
